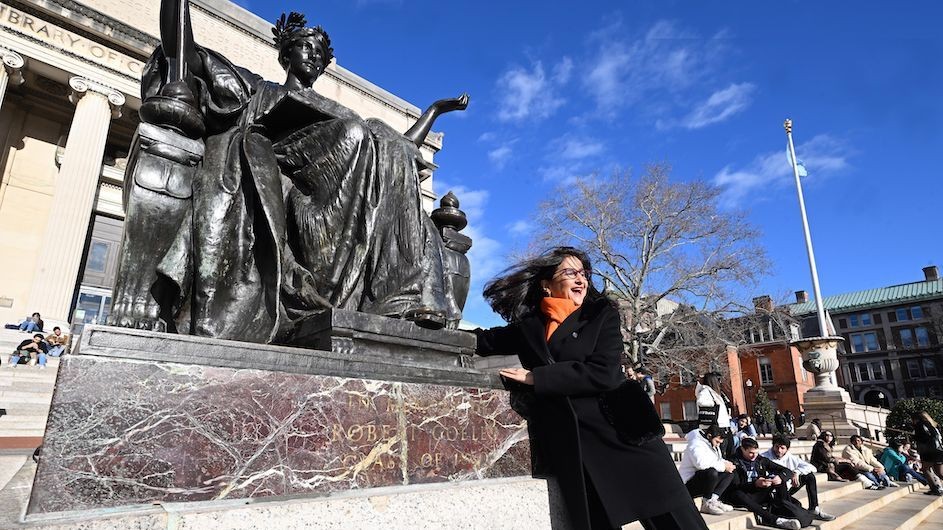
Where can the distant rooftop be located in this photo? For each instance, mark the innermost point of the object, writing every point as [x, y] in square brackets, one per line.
[882, 296]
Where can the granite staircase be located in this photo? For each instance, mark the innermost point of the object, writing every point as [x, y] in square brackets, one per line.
[25, 394]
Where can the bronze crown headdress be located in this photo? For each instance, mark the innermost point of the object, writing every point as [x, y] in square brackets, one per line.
[294, 25]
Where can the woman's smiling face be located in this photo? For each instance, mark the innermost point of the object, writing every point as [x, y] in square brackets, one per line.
[568, 281]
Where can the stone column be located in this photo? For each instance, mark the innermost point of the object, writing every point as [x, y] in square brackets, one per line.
[12, 71]
[71, 209]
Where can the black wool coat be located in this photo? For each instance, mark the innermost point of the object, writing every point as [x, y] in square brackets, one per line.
[570, 438]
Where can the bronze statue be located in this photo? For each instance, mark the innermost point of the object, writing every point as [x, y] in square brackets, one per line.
[251, 205]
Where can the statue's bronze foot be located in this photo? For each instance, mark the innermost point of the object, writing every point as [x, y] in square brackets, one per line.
[425, 317]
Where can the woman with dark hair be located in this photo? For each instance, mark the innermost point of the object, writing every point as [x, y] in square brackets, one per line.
[930, 446]
[713, 408]
[569, 341]
[837, 469]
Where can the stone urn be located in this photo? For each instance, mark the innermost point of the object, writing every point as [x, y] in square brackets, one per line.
[820, 357]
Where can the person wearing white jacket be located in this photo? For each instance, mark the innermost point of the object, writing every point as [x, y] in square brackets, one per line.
[803, 474]
[713, 408]
[704, 470]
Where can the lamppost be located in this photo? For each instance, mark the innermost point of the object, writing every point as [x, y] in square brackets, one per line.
[880, 424]
[749, 385]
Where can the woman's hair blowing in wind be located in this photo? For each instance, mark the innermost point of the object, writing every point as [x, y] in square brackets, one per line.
[517, 291]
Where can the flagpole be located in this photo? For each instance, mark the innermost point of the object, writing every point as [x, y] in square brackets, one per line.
[817, 291]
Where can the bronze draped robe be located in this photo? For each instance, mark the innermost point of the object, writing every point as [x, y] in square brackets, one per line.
[288, 218]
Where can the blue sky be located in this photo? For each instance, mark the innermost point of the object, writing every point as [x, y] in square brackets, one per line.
[562, 89]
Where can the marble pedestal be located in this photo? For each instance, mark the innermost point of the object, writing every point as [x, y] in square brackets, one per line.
[826, 401]
[832, 407]
[149, 418]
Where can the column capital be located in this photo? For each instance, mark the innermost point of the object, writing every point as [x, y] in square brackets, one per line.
[81, 86]
[13, 63]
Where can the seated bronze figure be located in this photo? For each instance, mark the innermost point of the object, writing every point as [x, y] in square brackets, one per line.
[251, 204]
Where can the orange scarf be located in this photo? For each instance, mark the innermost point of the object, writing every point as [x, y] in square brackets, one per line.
[556, 310]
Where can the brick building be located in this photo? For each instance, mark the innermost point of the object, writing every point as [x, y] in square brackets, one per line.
[763, 360]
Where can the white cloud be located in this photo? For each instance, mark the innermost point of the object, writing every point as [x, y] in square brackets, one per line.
[529, 94]
[487, 136]
[564, 173]
[577, 147]
[520, 228]
[563, 70]
[823, 155]
[500, 156]
[721, 105]
[666, 60]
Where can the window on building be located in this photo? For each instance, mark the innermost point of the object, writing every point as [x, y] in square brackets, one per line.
[766, 371]
[690, 410]
[864, 342]
[857, 342]
[794, 331]
[97, 256]
[913, 368]
[929, 368]
[866, 319]
[916, 313]
[853, 320]
[902, 315]
[906, 338]
[923, 337]
[877, 371]
[665, 410]
[863, 372]
[920, 391]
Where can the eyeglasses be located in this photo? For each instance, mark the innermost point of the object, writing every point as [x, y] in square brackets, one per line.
[572, 273]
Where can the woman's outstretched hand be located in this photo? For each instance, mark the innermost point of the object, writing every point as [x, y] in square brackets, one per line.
[521, 375]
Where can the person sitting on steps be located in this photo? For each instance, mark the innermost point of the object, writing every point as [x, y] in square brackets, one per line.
[57, 341]
[32, 324]
[760, 485]
[864, 461]
[704, 470]
[29, 347]
[803, 474]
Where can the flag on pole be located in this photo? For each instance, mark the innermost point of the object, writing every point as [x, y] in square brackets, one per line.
[799, 165]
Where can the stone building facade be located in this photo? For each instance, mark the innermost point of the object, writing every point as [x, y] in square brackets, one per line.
[69, 96]
[892, 347]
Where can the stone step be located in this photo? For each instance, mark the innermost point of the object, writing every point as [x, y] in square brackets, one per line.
[934, 521]
[741, 519]
[851, 509]
[8, 424]
[25, 409]
[907, 513]
[9, 465]
[9, 398]
[31, 387]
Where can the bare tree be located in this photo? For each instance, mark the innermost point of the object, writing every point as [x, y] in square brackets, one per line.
[666, 250]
